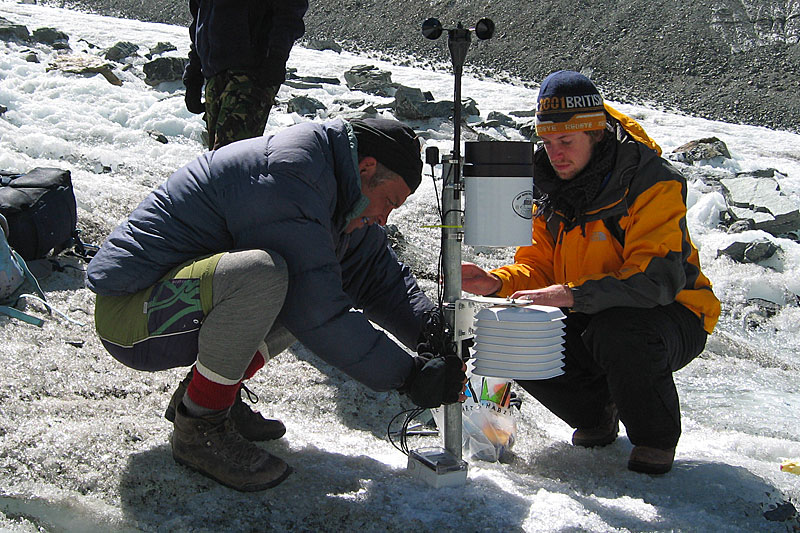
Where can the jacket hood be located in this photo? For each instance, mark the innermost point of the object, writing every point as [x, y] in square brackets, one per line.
[350, 201]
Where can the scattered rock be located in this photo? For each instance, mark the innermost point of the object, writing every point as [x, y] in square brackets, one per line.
[323, 44]
[320, 79]
[351, 114]
[698, 62]
[31, 57]
[163, 69]
[304, 105]
[354, 102]
[760, 200]
[469, 108]
[61, 45]
[750, 252]
[528, 131]
[13, 32]
[3, 109]
[709, 151]
[740, 226]
[291, 74]
[85, 64]
[762, 173]
[501, 119]
[759, 311]
[412, 104]
[296, 84]
[121, 50]
[160, 48]
[370, 79]
[158, 136]
[87, 43]
[51, 37]
[706, 174]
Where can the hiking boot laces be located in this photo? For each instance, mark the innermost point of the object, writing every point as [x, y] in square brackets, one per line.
[229, 441]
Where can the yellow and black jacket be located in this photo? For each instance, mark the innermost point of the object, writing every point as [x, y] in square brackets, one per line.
[631, 249]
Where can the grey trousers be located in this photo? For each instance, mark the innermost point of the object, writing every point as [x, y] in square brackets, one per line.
[249, 288]
[178, 329]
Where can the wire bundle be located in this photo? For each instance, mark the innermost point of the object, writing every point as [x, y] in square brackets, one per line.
[436, 339]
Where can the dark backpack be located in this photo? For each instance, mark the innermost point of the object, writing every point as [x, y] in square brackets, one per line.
[41, 211]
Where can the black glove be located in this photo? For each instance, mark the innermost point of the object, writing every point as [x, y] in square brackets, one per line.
[435, 380]
[193, 99]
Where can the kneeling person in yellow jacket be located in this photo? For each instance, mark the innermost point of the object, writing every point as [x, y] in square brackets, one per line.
[610, 243]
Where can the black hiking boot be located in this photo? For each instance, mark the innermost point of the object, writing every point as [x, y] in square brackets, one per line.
[212, 446]
[601, 435]
[648, 460]
[250, 424]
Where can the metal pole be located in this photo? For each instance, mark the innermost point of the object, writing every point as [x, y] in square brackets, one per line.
[451, 269]
[458, 43]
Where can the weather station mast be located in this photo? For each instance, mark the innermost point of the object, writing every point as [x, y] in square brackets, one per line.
[445, 467]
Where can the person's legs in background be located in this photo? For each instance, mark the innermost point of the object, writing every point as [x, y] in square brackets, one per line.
[237, 107]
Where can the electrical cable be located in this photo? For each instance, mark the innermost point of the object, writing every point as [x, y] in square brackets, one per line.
[403, 432]
[436, 336]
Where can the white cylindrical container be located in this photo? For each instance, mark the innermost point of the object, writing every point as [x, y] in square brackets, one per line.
[519, 342]
[498, 188]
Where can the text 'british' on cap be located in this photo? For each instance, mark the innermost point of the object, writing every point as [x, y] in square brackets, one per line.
[392, 144]
[568, 101]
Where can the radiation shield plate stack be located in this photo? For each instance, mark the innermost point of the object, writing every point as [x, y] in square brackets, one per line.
[513, 339]
[519, 342]
[467, 308]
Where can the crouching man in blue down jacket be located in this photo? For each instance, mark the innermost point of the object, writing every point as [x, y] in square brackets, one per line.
[252, 246]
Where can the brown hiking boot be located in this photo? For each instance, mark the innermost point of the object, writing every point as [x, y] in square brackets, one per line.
[213, 447]
[649, 460]
[250, 424]
[601, 435]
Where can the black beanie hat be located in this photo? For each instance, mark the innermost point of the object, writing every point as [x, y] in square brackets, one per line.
[393, 144]
[568, 101]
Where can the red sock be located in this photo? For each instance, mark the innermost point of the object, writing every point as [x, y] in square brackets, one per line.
[255, 364]
[211, 395]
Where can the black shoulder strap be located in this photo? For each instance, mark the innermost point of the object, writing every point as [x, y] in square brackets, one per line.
[553, 224]
[613, 227]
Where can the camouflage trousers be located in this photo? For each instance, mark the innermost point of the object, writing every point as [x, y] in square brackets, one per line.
[237, 107]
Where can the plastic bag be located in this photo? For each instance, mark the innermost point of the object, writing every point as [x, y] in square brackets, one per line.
[489, 427]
